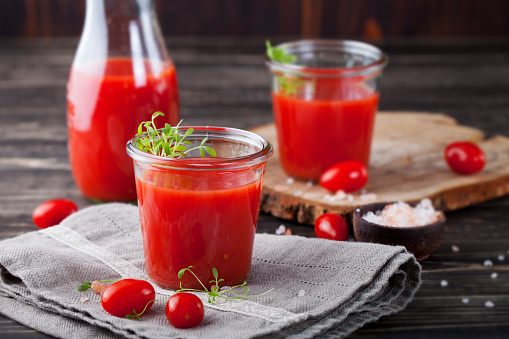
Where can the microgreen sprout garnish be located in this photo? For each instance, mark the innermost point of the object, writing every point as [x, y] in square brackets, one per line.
[279, 55]
[216, 291]
[138, 315]
[167, 141]
[286, 84]
[87, 284]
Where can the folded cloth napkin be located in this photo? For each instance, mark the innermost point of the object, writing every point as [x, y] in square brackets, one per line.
[321, 287]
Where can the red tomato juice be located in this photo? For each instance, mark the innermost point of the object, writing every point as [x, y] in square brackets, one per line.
[105, 104]
[199, 219]
[335, 125]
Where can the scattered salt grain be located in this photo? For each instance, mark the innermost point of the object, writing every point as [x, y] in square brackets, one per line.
[488, 263]
[455, 249]
[309, 183]
[494, 275]
[403, 215]
[358, 210]
[368, 197]
[501, 258]
[290, 181]
[297, 193]
[349, 197]
[219, 301]
[489, 304]
[444, 283]
[281, 229]
[98, 287]
[280, 187]
[465, 300]
[84, 299]
[302, 293]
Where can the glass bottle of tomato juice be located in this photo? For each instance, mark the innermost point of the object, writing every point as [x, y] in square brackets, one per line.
[121, 74]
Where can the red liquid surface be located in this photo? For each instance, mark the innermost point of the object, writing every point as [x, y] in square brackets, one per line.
[199, 219]
[104, 109]
[335, 125]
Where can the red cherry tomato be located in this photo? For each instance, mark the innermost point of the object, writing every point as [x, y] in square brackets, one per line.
[126, 295]
[348, 176]
[52, 212]
[464, 157]
[184, 310]
[331, 226]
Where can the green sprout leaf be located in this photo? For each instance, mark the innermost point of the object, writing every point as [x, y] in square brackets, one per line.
[215, 290]
[167, 141]
[287, 84]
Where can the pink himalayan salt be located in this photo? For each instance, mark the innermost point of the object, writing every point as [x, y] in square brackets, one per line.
[403, 215]
[98, 287]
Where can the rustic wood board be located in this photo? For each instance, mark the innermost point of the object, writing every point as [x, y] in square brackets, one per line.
[406, 164]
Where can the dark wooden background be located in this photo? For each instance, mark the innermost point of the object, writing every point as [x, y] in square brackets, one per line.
[448, 56]
[308, 18]
[223, 81]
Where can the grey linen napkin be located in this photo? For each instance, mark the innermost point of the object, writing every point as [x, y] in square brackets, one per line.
[322, 287]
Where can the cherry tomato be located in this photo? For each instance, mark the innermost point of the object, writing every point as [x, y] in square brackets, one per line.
[331, 226]
[184, 310]
[464, 157]
[126, 295]
[348, 176]
[52, 212]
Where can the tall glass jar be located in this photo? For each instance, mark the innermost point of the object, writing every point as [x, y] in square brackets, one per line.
[120, 76]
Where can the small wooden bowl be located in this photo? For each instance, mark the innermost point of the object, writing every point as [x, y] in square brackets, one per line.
[419, 240]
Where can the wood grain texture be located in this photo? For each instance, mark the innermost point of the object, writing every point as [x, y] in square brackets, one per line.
[223, 81]
[406, 164]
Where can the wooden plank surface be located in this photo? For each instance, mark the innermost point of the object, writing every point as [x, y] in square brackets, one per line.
[224, 82]
[406, 164]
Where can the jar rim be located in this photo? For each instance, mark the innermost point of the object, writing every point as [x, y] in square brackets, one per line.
[356, 47]
[210, 163]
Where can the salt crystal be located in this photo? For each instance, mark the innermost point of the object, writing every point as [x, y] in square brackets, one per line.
[494, 275]
[349, 197]
[219, 301]
[84, 299]
[403, 215]
[297, 193]
[465, 300]
[289, 181]
[368, 197]
[444, 283]
[501, 258]
[281, 229]
[488, 263]
[309, 183]
[302, 293]
[489, 304]
[280, 187]
[340, 194]
[455, 248]
[358, 210]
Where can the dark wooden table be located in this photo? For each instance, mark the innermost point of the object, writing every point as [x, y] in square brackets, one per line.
[225, 82]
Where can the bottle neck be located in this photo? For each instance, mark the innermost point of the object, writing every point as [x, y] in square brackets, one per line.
[121, 29]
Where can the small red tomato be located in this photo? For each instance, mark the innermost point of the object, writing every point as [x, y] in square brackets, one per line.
[126, 296]
[184, 310]
[52, 212]
[331, 226]
[348, 176]
[464, 157]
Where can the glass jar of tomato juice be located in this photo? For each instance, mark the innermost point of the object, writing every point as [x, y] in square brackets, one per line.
[325, 103]
[201, 212]
[121, 74]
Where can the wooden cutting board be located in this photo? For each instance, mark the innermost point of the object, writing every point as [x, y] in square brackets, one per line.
[406, 164]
